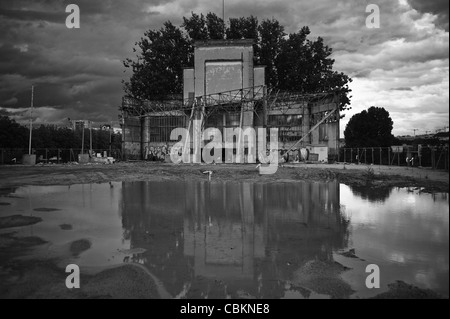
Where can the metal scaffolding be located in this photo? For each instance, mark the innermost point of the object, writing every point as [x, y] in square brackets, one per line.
[264, 103]
[247, 99]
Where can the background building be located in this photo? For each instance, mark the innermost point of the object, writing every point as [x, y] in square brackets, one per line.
[225, 89]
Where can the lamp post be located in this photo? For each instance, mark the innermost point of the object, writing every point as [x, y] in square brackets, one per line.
[31, 119]
[90, 138]
[110, 138]
[82, 140]
[30, 159]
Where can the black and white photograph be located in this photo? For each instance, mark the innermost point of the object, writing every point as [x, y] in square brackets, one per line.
[229, 156]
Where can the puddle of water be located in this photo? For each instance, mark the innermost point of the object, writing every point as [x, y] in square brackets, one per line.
[202, 239]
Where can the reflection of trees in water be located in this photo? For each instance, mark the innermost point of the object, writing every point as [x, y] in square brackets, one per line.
[234, 239]
[372, 194]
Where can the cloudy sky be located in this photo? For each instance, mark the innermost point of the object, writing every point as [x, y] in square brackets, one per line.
[403, 66]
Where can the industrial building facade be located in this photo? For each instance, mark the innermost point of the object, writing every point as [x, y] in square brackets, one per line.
[226, 90]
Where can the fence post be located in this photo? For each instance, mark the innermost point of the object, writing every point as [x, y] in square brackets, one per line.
[2, 157]
[381, 156]
[432, 158]
[389, 156]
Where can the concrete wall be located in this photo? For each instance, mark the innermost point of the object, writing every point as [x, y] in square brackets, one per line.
[259, 75]
[321, 150]
[222, 51]
[188, 80]
[132, 138]
[328, 133]
[223, 76]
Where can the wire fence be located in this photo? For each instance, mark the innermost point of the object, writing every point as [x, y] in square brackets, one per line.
[53, 155]
[435, 157]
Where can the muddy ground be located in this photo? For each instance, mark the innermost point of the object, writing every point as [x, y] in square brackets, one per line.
[44, 279]
[352, 175]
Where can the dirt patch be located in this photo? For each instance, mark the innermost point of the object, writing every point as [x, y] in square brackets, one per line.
[9, 242]
[352, 175]
[66, 227]
[122, 282]
[79, 246]
[323, 277]
[402, 290]
[38, 279]
[351, 253]
[44, 209]
[12, 246]
[18, 220]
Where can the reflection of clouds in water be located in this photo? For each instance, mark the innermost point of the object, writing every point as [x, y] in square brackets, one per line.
[396, 257]
[410, 199]
[407, 235]
[400, 207]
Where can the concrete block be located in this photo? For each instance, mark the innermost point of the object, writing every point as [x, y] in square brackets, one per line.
[29, 159]
[83, 158]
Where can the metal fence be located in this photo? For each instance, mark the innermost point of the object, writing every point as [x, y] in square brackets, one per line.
[52, 155]
[434, 157]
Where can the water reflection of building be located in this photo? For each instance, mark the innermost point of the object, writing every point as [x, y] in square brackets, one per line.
[228, 238]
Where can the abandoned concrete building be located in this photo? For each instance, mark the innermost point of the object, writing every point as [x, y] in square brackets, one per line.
[226, 90]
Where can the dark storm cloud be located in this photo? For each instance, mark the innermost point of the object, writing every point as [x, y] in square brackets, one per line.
[73, 70]
[31, 15]
[78, 73]
[437, 7]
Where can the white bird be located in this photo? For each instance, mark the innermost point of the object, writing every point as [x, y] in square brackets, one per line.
[209, 174]
[258, 166]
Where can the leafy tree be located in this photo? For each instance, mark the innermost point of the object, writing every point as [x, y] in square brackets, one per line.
[12, 134]
[371, 128]
[294, 63]
[196, 27]
[243, 28]
[305, 66]
[271, 37]
[216, 27]
[158, 70]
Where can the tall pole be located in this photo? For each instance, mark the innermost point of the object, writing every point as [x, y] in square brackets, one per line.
[223, 17]
[31, 119]
[110, 139]
[82, 140]
[90, 138]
